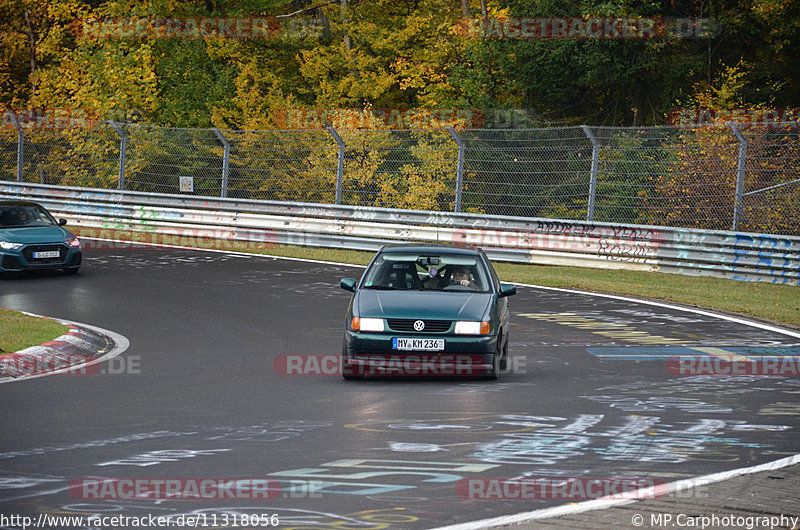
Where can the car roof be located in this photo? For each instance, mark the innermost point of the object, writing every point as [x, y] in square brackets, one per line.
[432, 249]
[19, 203]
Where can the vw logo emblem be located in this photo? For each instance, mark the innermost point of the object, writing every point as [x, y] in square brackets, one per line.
[419, 325]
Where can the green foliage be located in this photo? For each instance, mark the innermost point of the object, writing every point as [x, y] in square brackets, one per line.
[389, 54]
[394, 55]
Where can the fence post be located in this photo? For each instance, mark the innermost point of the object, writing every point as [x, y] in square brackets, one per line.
[20, 144]
[225, 160]
[593, 176]
[339, 165]
[459, 167]
[739, 194]
[123, 149]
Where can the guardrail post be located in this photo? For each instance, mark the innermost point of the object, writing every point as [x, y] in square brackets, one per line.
[226, 155]
[123, 149]
[739, 194]
[459, 167]
[339, 165]
[20, 144]
[593, 176]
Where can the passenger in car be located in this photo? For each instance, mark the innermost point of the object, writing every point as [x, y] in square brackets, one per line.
[402, 276]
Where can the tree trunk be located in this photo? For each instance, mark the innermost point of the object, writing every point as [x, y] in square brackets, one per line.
[346, 36]
[32, 43]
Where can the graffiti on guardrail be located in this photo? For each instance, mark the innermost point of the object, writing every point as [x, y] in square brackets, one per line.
[611, 242]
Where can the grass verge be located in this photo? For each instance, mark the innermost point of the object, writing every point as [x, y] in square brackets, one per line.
[773, 302]
[19, 331]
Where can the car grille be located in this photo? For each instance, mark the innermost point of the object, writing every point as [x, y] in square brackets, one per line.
[407, 325]
[28, 253]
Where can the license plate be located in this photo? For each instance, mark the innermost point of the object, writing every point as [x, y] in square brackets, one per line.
[417, 344]
[46, 254]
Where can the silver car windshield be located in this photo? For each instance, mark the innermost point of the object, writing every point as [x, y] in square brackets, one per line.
[427, 272]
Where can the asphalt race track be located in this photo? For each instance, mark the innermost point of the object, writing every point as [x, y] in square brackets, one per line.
[591, 394]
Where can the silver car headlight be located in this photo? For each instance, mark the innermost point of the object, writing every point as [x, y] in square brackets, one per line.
[367, 324]
[10, 246]
[472, 328]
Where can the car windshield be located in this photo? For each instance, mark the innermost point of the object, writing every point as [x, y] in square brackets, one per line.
[427, 272]
[19, 215]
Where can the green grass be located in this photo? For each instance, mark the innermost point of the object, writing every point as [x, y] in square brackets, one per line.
[19, 331]
[777, 303]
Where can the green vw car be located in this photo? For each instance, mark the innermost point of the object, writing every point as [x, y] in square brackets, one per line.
[31, 239]
[427, 310]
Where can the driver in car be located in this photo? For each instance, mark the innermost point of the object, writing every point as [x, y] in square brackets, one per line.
[461, 276]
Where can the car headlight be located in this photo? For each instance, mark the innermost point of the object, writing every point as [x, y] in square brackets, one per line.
[367, 324]
[74, 242]
[472, 328]
[10, 246]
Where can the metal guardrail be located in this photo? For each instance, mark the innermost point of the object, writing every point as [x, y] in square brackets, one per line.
[735, 255]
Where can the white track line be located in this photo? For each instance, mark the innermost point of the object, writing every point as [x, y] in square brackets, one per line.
[610, 502]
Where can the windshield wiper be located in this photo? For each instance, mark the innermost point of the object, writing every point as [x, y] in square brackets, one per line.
[382, 287]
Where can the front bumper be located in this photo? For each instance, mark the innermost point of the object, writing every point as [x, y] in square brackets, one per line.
[463, 355]
[22, 259]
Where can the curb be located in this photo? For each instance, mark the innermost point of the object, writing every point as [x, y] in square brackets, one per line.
[73, 353]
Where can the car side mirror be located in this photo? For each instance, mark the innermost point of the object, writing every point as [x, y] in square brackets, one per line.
[348, 284]
[62, 222]
[507, 289]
